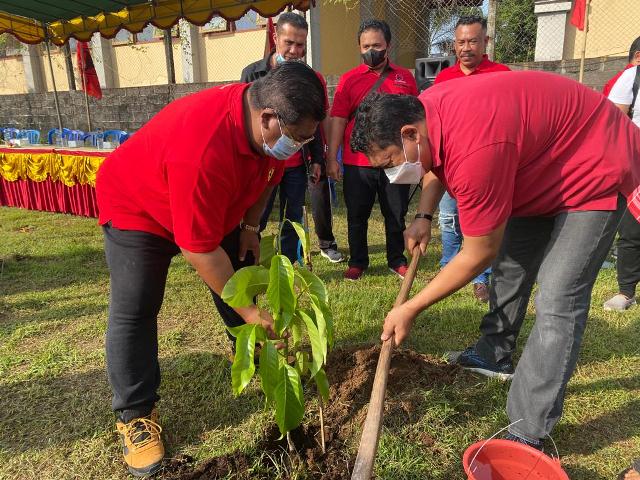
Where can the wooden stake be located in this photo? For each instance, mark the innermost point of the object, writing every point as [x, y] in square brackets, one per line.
[322, 444]
[363, 467]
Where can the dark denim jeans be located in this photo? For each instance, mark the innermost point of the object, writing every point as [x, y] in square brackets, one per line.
[292, 190]
[563, 254]
[320, 195]
[452, 235]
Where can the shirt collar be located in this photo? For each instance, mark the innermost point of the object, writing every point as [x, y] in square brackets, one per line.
[264, 65]
[241, 136]
[364, 68]
[481, 66]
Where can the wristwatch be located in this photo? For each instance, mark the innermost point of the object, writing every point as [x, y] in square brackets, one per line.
[425, 216]
[249, 228]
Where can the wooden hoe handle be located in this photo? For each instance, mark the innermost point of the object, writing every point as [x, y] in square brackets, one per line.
[371, 431]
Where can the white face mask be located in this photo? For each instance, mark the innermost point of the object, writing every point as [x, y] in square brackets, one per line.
[408, 173]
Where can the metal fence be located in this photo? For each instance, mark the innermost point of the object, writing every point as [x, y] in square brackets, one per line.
[524, 34]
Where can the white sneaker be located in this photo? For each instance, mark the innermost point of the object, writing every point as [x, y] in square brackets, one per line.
[619, 303]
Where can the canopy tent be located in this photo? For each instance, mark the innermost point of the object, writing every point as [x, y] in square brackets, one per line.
[56, 21]
[34, 21]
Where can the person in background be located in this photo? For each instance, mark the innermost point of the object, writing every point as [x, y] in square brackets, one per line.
[622, 93]
[634, 59]
[540, 190]
[362, 182]
[201, 197]
[291, 45]
[470, 43]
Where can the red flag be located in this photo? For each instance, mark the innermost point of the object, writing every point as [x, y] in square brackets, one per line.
[579, 14]
[270, 44]
[90, 82]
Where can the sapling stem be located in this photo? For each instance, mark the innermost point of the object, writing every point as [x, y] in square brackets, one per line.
[292, 448]
[322, 444]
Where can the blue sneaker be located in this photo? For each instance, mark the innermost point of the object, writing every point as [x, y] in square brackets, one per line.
[515, 438]
[470, 360]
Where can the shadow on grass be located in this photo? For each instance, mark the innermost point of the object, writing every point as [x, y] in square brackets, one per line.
[78, 265]
[196, 397]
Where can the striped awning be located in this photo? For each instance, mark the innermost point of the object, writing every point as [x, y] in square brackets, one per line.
[32, 21]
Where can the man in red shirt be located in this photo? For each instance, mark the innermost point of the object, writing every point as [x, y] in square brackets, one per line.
[362, 182]
[470, 42]
[194, 179]
[539, 188]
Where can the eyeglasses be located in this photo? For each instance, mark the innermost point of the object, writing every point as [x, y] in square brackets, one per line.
[298, 143]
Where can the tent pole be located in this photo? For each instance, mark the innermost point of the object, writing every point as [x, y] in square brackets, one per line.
[583, 53]
[53, 79]
[84, 88]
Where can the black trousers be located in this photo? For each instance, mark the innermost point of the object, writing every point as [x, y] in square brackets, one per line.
[321, 211]
[361, 185]
[138, 265]
[628, 264]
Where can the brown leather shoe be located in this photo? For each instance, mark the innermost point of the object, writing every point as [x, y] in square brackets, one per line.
[481, 292]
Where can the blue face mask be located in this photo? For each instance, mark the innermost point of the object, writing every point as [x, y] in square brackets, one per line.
[280, 59]
[284, 147]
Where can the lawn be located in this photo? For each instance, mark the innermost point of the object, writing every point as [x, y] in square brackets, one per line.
[55, 417]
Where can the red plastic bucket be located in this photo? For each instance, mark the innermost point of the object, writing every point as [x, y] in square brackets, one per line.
[507, 460]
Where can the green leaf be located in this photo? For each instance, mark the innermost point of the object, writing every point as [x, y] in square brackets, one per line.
[269, 370]
[280, 293]
[324, 319]
[322, 384]
[313, 283]
[302, 362]
[318, 344]
[296, 331]
[289, 400]
[267, 250]
[244, 285]
[304, 237]
[243, 366]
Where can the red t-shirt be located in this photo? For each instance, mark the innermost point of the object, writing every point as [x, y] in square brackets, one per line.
[189, 174]
[505, 148]
[486, 66]
[609, 85]
[296, 159]
[353, 87]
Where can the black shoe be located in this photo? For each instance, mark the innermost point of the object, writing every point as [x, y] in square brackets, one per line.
[470, 360]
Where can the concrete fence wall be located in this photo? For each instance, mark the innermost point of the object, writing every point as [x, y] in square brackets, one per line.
[130, 108]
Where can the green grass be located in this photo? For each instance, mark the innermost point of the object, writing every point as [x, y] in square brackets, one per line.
[55, 418]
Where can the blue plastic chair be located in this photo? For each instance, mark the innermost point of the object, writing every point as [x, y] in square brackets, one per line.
[93, 138]
[32, 135]
[8, 133]
[111, 135]
[76, 135]
[53, 131]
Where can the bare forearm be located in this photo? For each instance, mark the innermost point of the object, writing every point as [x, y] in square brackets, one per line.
[213, 267]
[432, 191]
[337, 126]
[254, 213]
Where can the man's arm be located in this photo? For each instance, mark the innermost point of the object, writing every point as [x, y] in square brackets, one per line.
[216, 270]
[476, 255]
[419, 232]
[624, 108]
[250, 241]
[337, 126]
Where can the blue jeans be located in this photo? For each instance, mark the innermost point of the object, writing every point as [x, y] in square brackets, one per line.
[292, 188]
[452, 235]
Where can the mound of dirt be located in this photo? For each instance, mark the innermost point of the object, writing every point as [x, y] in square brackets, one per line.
[351, 372]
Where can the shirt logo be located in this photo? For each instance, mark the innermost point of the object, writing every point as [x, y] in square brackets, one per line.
[271, 170]
[400, 79]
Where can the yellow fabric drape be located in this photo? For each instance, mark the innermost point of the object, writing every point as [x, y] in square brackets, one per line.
[161, 13]
[65, 168]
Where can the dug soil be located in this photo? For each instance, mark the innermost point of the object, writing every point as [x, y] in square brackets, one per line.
[351, 372]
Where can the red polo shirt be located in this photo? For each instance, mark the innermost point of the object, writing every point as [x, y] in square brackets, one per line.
[486, 66]
[528, 144]
[353, 87]
[189, 174]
